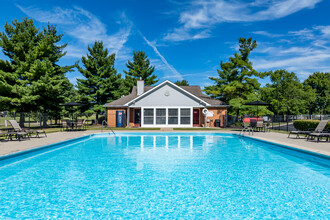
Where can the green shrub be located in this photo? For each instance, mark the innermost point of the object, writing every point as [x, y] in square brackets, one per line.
[304, 125]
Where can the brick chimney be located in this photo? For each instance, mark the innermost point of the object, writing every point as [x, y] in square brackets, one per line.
[140, 87]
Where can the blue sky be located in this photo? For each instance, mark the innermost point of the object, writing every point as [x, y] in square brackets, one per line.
[187, 39]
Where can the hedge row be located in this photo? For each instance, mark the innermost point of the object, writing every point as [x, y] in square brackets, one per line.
[304, 125]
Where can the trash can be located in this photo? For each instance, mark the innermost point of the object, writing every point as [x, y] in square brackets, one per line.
[217, 123]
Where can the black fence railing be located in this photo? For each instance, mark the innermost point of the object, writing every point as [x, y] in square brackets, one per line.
[39, 120]
[277, 122]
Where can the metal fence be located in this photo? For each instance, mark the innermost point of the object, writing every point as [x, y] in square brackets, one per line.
[36, 119]
[280, 122]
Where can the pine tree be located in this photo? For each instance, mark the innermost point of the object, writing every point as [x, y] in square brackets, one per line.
[31, 78]
[102, 83]
[237, 79]
[139, 68]
[182, 83]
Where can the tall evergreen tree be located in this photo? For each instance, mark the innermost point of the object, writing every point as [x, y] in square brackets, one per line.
[237, 81]
[31, 79]
[139, 68]
[321, 83]
[102, 83]
[182, 83]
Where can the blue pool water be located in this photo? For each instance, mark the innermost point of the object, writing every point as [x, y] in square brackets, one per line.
[157, 175]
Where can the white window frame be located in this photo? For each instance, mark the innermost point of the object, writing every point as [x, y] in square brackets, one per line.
[154, 125]
[154, 117]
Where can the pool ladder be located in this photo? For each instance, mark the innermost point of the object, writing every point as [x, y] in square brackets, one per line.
[245, 129]
[103, 124]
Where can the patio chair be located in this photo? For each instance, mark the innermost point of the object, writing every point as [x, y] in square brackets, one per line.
[260, 125]
[319, 129]
[318, 136]
[17, 128]
[81, 123]
[66, 124]
[253, 123]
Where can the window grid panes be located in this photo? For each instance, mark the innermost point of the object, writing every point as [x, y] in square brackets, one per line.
[148, 116]
[173, 116]
[161, 116]
[185, 116]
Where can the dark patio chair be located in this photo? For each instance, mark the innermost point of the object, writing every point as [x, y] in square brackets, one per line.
[66, 124]
[253, 123]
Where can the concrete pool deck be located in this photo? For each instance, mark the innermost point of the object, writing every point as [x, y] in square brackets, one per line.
[10, 147]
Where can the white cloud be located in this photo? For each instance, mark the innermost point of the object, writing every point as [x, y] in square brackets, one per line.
[203, 14]
[181, 34]
[301, 51]
[85, 27]
[267, 34]
[174, 73]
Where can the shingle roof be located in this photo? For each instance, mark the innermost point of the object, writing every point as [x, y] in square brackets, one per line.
[195, 90]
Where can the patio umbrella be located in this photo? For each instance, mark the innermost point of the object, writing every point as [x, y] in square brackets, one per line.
[72, 104]
[257, 103]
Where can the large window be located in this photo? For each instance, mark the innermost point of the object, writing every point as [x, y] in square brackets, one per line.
[185, 116]
[148, 114]
[160, 116]
[173, 116]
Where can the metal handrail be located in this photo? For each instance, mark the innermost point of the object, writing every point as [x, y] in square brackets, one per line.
[104, 121]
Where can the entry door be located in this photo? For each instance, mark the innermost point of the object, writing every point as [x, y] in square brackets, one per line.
[196, 117]
[137, 117]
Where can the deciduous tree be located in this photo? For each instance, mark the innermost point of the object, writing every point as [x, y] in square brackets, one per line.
[321, 83]
[286, 89]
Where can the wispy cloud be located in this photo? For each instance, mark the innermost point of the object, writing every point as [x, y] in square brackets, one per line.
[302, 51]
[84, 27]
[174, 73]
[202, 15]
[267, 34]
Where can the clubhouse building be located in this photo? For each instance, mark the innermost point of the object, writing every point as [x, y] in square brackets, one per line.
[166, 105]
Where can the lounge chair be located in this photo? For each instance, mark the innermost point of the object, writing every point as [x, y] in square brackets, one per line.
[18, 128]
[319, 129]
[318, 136]
[17, 134]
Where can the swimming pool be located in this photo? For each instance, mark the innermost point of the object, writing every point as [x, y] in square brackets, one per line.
[164, 175]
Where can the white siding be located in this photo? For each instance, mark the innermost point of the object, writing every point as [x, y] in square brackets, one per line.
[167, 96]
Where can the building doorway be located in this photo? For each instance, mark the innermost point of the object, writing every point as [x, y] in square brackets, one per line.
[137, 117]
[196, 118]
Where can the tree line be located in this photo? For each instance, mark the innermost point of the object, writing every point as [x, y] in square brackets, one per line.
[31, 79]
[238, 83]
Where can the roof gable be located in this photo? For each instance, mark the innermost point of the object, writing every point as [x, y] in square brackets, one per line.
[194, 92]
[169, 93]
